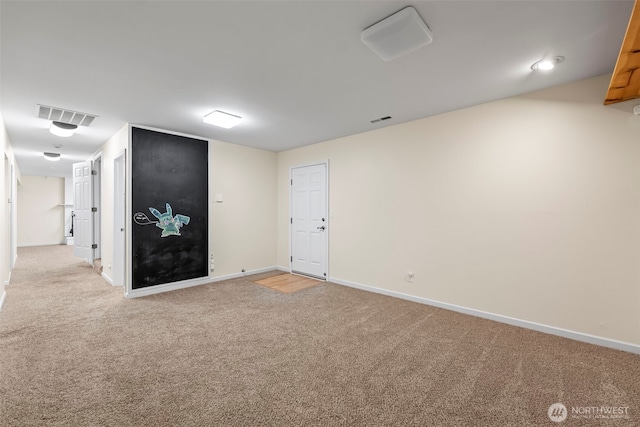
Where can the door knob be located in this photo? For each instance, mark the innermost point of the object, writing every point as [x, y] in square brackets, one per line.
[321, 228]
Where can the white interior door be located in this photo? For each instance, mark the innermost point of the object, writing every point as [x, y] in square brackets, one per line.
[119, 194]
[82, 204]
[309, 221]
[12, 221]
[8, 185]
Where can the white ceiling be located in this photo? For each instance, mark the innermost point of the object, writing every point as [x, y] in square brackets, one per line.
[296, 72]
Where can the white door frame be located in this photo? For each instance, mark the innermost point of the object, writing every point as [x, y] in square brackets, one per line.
[97, 203]
[326, 242]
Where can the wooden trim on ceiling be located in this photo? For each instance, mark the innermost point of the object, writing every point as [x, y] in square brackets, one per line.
[625, 81]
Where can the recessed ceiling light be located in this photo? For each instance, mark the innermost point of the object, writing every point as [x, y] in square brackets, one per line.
[62, 129]
[222, 119]
[547, 63]
[52, 157]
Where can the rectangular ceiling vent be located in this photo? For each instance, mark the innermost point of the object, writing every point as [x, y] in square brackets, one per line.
[380, 119]
[65, 116]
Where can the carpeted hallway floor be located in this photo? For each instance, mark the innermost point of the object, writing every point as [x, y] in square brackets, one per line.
[75, 352]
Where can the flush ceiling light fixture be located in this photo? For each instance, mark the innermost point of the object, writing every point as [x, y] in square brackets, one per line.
[398, 34]
[548, 63]
[62, 129]
[222, 119]
[52, 157]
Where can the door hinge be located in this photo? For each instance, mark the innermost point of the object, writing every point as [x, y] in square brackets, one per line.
[94, 209]
[291, 220]
[291, 182]
[94, 246]
[94, 172]
[291, 259]
[325, 274]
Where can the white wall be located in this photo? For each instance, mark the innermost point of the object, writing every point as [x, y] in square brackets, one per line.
[242, 227]
[41, 211]
[527, 207]
[8, 187]
[110, 151]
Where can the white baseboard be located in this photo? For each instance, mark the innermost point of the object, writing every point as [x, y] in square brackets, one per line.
[4, 296]
[157, 289]
[552, 330]
[192, 282]
[246, 273]
[108, 279]
[285, 269]
[31, 245]
[6, 282]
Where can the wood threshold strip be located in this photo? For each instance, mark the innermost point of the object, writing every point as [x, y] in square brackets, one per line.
[288, 283]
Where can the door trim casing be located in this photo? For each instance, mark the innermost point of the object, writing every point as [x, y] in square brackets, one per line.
[327, 198]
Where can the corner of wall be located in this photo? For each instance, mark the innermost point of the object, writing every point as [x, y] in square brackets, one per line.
[490, 201]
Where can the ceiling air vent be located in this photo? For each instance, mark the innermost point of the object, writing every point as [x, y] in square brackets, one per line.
[64, 116]
[380, 119]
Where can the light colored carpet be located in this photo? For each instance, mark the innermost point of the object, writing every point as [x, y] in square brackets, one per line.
[75, 352]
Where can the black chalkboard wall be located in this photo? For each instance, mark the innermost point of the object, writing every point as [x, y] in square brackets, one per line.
[170, 207]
